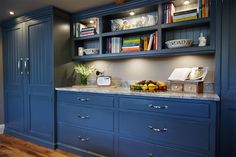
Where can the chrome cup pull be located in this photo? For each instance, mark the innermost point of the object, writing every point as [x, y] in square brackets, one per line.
[19, 66]
[150, 155]
[26, 66]
[83, 139]
[157, 107]
[83, 99]
[82, 117]
[157, 129]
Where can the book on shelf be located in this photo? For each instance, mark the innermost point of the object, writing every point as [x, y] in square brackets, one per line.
[113, 45]
[203, 7]
[185, 15]
[168, 11]
[132, 44]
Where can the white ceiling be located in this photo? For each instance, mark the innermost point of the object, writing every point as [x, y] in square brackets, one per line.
[22, 6]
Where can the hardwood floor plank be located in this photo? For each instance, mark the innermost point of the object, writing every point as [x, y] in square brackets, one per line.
[13, 147]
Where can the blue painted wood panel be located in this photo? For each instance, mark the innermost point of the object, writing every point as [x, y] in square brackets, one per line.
[87, 140]
[39, 91]
[228, 83]
[13, 77]
[86, 117]
[132, 148]
[167, 131]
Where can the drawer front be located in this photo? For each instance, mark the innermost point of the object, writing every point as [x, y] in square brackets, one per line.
[86, 99]
[159, 106]
[92, 141]
[184, 133]
[88, 117]
[130, 148]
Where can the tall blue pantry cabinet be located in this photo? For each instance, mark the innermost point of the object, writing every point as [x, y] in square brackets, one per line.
[228, 84]
[35, 48]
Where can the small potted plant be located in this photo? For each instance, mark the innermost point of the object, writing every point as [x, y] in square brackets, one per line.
[84, 71]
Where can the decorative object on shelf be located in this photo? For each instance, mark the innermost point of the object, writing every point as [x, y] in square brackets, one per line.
[80, 51]
[87, 27]
[91, 51]
[178, 43]
[202, 40]
[132, 22]
[119, 1]
[148, 86]
[193, 87]
[188, 79]
[84, 72]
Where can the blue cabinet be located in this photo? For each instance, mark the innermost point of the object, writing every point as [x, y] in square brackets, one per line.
[29, 73]
[228, 84]
[135, 126]
[13, 77]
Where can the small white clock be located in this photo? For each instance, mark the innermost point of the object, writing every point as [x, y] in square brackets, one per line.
[104, 81]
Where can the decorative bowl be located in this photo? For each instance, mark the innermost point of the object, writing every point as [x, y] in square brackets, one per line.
[91, 51]
[178, 43]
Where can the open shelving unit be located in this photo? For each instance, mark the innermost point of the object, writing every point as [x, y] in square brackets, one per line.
[190, 29]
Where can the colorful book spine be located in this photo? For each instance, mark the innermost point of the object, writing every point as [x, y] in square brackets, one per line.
[145, 43]
[186, 19]
[206, 8]
[200, 8]
[203, 9]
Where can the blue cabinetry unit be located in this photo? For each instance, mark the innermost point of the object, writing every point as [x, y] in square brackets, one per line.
[133, 126]
[228, 84]
[29, 71]
[13, 77]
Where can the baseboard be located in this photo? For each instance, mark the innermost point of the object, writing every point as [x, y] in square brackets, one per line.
[2, 128]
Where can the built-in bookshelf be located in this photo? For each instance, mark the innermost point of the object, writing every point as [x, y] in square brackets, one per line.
[137, 30]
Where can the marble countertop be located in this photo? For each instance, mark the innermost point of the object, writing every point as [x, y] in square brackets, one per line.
[126, 91]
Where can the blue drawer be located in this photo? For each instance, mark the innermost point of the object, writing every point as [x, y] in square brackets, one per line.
[162, 106]
[130, 148]
[88, 140]
[85, 99]
[88, 117]
[179, 132]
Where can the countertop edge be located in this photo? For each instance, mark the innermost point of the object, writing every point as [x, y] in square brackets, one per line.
[189, 96]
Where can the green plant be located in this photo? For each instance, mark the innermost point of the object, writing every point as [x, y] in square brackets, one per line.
[84, 71]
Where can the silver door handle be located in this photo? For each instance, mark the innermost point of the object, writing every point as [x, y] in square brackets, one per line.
[26, 65]
[157, 129]
[157, 107]
[19, 63]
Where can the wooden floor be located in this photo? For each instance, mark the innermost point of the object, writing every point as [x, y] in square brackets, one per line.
[13, 147]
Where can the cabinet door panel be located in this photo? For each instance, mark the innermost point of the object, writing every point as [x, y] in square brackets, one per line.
[228, 85]
[39, 72]
[13, 77]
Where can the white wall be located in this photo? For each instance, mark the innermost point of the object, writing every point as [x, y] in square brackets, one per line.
[155, 69]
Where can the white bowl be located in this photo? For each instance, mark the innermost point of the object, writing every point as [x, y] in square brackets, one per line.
[178, 43]
[91, 51]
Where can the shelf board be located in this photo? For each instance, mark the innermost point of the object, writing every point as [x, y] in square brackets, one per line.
[96, 36]
[196, 22]
[130, 31]
[145, 54]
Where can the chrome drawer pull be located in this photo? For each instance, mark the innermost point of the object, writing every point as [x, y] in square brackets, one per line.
[157, 107]
[83, 117]
[83, 139]
[157, 129]
[19, 63]
[150, 155]
[83, 99]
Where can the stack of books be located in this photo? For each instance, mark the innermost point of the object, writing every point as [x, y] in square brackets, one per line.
[150, 42]
[132, 44]
[203, 6]
[87, 31]
[185, 15]
[113, 45]
[168, 11]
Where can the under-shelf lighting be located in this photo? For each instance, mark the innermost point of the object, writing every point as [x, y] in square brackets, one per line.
[11, 12]
[186, 2]
[132, 13]
[91, 21]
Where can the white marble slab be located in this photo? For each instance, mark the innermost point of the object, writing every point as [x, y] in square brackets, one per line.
[126, 91]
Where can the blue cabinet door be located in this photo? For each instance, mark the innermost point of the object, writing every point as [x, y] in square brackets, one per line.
[38, 66]
[13, 77]
[228, 99]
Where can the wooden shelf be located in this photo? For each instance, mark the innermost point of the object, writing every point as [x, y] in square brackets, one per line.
[130, 31]
[145, 54]
[87, 37]
[189, 23]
